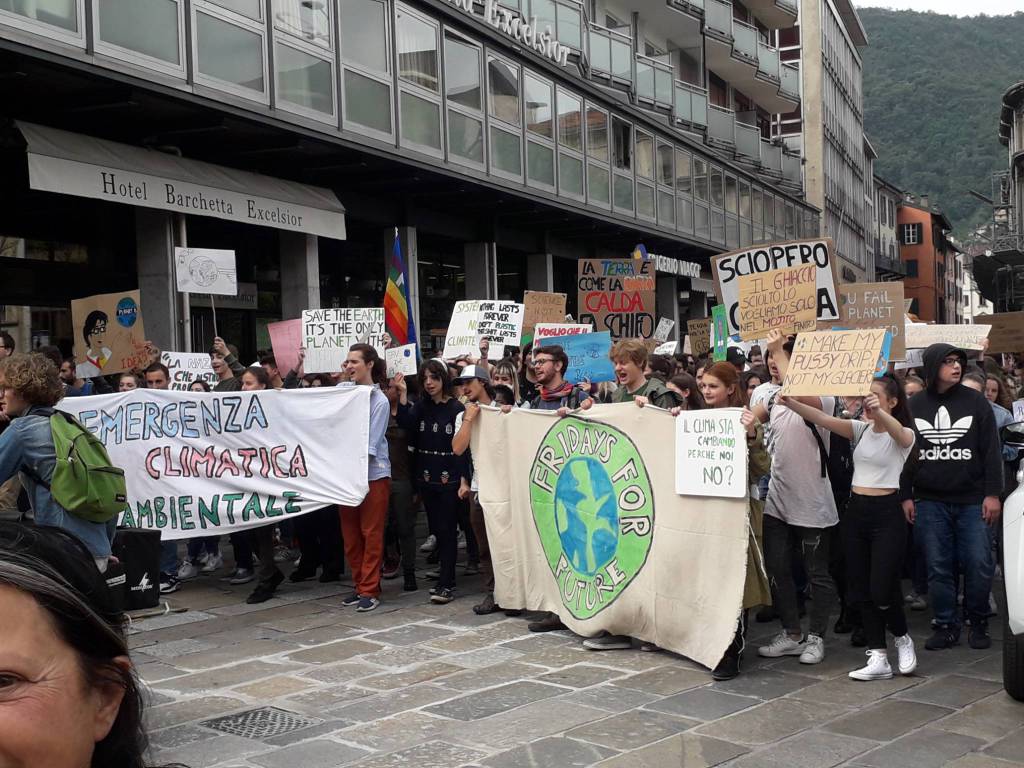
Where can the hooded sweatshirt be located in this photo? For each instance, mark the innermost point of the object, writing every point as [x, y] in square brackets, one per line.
[958, 457]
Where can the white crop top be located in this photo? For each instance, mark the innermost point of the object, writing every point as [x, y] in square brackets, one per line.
[877, 458]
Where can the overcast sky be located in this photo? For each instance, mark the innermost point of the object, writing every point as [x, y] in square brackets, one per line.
[948, 7]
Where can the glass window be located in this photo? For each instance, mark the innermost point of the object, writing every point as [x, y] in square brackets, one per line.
[367, 102]
[717, 226]
[417, 50]
[755, 207]
[666, 208]
[780, 215]
[769, 211]
[597, 184]
[503, 90]
[744, 200]
[543, 12]
[683, 182]
[540, 163]
[462, 73]
[421, 121]
[666, 171]
[364, 36]
[252, 9]
[623, 187]
[310, 21]
[465, 136]
[701, 222]
[538, 107]
[622, 137]
[304, 80]
[229, 52]
[569, 31]
[58, 13]
[149, 27]
[730, 194]
[644, 156]
[570, 125]
[645, 201]
[717, 187]
[597, 133]
[570, 175]
[700, 179]
[684, 210]
[506, 151]
[732, 232]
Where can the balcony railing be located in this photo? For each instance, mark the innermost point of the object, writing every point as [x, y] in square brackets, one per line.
[691, 103]
[748, 141]
[790, 80]
[1012, 241]
[771, 156]
[791, 168]
[767, 61]
[654, 80]
[721, 125]
[744, 40]
[611, 53]
[789, 5]
[884, 263]
[718, 17]
[687, 6]
[566, 18]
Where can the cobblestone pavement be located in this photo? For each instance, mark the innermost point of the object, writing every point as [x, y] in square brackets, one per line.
[300, 682]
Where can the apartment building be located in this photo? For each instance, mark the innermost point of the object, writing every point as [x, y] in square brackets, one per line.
[935, 280]
[887, 199]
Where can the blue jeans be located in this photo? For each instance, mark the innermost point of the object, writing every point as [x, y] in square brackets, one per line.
[169, 557]
[952, 534]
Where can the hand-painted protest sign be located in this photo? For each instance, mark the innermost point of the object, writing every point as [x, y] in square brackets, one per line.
[665, 326]
[700, 335]
[286, 340]
[461, 337]
[922, 336]
[1018, 410]
[202, 464]
[109, 334]
[913, 358]
[206, 270]
[1007, 334]
[617, 295]
[875, 305]
[668, 348]
[187, 368]
[327, 335]
[588, 357]
[542, 307]
[783, 299]
[552, 330]
[401, 360]
[834, 362]
[711, 453]
[719, 332]
[501, 324]
[729, 267]
[577, 525]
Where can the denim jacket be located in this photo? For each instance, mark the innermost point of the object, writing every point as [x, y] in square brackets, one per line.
[27, 442]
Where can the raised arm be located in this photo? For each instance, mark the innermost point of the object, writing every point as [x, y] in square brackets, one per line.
[460, 442]
[904, 436]
[814, 415]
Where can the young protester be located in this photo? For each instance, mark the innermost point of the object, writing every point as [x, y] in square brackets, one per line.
[198, 386]
[127, 382]
[430, 424]
[504, 396]
[684, 385]
[362, 526]
[269, 364]
[504, 374]
[73, 386]
[630, 360]
[996, 392]
[659, 366]
[529, 386]
[402, 507]
[749, 381]
[157, 376]
[224, 361]
[7, 345]
[951, 494]
[912, 385]
[875, 531]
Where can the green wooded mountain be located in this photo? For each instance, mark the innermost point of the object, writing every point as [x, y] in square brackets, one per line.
[933, 86]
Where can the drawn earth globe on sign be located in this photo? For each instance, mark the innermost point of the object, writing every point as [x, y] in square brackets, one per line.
[586, 514]
[203, 270]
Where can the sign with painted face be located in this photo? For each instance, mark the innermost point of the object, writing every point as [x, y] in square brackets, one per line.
[109, 334]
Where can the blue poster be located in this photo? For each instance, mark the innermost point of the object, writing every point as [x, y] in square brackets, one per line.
[883, 359]
[588, 356]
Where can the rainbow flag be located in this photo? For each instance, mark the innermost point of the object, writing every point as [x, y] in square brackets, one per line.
[398, 319]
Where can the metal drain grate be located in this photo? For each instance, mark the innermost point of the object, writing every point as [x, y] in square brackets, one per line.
[262, 723]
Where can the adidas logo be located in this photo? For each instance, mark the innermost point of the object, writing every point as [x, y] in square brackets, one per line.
[946, 453]
[942, 432]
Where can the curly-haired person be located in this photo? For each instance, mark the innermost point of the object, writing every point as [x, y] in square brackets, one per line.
[32, 387]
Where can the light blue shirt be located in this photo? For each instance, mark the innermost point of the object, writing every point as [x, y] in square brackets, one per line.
[379, 463]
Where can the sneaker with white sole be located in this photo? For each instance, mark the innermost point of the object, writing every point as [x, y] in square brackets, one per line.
[877, 667]
[241, 576]
[213, 564]
[814, 650]
[907, 655]
[430, 544]
[782, 645]
[460, 542]
[607, 642]
[188, 570]
[367, 603]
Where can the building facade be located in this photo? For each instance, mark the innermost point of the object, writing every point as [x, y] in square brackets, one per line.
[933, 261]
[888, 260]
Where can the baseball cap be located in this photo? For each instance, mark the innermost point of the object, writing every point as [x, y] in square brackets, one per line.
[735, 356]
[473, 372]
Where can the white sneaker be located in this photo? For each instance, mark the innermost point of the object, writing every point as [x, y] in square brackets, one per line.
[907, 655]
[187, 571]
[877, 667]
[213, 564]
[782, 645]
[203, 557]
[814, 650]
[430, 544]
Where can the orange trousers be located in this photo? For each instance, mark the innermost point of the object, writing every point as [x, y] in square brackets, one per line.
[362, 529]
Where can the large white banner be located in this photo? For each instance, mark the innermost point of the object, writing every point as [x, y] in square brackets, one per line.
[200, 464]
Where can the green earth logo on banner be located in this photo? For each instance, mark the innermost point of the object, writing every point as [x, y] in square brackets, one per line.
[593, 506]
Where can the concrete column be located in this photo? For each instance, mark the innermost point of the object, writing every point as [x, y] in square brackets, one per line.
[300, 273]
[667, 302]
[481, 270]
[540, 274]
[407, 242]
[161, 302]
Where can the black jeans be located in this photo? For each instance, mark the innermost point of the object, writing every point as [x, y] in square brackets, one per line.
[263, 539]
[812, 546]
[402, 523]
[442, 505]
[319, 535]
[876, 545]
[466, 524]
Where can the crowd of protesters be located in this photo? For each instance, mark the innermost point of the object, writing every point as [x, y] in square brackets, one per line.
[848, 496]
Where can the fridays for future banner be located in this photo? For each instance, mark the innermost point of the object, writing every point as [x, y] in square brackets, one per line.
[202, 464]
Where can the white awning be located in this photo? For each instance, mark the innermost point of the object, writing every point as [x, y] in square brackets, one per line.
[74, 164]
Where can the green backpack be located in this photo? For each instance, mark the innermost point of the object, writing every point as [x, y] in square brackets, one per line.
[84, 481]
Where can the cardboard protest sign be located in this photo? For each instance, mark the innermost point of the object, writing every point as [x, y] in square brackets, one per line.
[286, 340]
[327, 335]
[617, 295]
[783, 299]
[1007, 334]
[461, 337]
[700, 336]
[875, 305]
[109, 334]
[664, 328]
[834, 362]
[207, 463]
[544, 331]
[542, 307]
[668, 348]
[729, 267]
[501, 324]
[719, 332]
[401, 360]
[711, 453]
[921, 336]
[1018, 410]
[206, 270]
[913, 358]
[588, 357]
[186, 368]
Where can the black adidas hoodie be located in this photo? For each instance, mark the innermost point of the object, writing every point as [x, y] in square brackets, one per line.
[958, 456]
